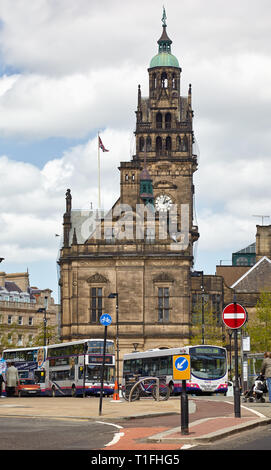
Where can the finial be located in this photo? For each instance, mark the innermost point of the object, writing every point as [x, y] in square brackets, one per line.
[139, 95]
[74, 238]
[164, 17]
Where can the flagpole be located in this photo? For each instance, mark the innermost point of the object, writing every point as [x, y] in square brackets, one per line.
[99, 175]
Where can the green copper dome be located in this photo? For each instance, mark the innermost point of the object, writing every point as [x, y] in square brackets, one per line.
[164, 59]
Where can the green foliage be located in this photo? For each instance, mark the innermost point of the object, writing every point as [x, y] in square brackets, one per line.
[259, 326]
[51, 335]
[8, 339]
[213, 330]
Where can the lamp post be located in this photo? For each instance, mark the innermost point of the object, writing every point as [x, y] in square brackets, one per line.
[115, 295]
[40, 310]
[202, 309]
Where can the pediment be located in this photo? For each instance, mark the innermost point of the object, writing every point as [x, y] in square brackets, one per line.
[97, 279]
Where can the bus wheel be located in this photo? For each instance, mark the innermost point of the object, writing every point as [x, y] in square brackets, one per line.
[74, 391]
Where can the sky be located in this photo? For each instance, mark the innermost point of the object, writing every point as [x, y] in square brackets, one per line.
[71, 68]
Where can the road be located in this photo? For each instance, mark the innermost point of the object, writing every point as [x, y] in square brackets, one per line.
[255, 439]
[54, 434]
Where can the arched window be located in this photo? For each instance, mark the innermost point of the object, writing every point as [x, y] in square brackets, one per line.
[168, 120]
[185, 143]
[141, 144]
[159, 120]
[158, 144]
[179, 144]
[174, 82]
[154, 82]
[148, 144]
[168, 143]
[164, 80]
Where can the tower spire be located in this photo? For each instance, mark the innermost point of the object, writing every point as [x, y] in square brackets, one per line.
[164, 42]
[164, 17]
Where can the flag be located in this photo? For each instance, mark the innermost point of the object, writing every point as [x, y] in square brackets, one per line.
[101, 145]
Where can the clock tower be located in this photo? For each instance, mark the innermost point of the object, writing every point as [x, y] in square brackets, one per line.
[150, 273]
[164, 141]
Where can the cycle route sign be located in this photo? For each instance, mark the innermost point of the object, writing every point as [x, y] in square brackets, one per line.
[181, 367]
[105, 319]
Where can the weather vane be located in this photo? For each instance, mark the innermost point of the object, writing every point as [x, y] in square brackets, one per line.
[164, 17]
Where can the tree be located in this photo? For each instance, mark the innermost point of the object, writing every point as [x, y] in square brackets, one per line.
[51, 335]
[8, 337]
[259, 326]
[213, 332]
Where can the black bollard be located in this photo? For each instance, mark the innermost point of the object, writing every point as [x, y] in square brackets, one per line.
[184, 409]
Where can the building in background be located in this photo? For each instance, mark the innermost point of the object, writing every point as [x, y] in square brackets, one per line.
[248, 280]
[20, 320]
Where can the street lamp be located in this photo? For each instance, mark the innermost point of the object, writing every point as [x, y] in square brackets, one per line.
[40, 310]
[115, 295]
[202, 308]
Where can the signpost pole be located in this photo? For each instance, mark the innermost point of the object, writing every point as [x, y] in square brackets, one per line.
[105, 320]
[182, 371]
[234, 316]
[237, 407]
[184, 409]
[102, 372]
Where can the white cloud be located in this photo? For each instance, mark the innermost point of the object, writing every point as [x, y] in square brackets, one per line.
[32, 201]
[72, 68]
[35, 106]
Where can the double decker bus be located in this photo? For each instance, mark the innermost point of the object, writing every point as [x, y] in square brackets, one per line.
[75, 368]
[30, 363]
[209, 370]
[72, 368]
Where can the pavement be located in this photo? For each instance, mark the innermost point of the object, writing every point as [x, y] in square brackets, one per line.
[210, 418]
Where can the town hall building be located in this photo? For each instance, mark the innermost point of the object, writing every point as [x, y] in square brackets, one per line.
[138, 268]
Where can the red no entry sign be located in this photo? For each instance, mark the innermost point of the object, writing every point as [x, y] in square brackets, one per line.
[234, 315]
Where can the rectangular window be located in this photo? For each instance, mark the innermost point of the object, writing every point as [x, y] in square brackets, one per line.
[20, 340]
[96, 304]
[9, 319]
[20, 320]
[30, 321]
[163, 304]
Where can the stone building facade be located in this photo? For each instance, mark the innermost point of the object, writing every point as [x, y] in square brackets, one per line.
[20, 319]
[248, 281]
[144, 254]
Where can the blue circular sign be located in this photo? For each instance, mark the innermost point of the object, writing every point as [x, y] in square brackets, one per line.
[105, 319]
[181, 364]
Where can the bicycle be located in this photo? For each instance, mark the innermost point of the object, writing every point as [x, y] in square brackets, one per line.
[146, 387]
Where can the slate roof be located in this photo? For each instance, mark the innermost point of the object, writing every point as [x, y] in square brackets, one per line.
[12, 287]
[256, 279]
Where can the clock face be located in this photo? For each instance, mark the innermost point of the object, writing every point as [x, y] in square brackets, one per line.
[163, 203]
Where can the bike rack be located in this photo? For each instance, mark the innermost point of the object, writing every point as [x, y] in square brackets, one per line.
[143, 380]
